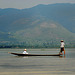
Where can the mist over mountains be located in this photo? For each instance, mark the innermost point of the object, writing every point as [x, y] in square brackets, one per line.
[42, 25]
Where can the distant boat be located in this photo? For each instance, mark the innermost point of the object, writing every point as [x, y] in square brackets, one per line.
[20, 54]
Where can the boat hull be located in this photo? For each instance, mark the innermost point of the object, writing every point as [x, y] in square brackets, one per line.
[19, 54]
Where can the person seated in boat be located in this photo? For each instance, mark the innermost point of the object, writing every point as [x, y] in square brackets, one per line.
[25, 51]
[62, 47]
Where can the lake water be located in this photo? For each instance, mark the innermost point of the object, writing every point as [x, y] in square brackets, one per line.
[37, 65]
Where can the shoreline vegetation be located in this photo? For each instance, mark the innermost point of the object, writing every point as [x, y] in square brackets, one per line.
[33, 44]
[33, 47]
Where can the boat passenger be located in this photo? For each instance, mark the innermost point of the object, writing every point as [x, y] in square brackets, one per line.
[25, 51]
[62, 47]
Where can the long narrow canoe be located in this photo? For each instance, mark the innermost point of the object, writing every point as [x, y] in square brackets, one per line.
[19, 54]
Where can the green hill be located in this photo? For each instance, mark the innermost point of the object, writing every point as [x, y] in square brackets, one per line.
[44, 31]
[39, 26]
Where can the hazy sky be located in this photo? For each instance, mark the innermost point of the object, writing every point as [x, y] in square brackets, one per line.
[21, 4]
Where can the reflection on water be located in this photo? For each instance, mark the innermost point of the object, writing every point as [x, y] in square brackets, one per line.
[37, 65]
[62, 56]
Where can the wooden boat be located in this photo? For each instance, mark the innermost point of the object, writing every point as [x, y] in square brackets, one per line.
[20, 54]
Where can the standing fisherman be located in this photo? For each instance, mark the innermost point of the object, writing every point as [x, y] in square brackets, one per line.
[62, 47]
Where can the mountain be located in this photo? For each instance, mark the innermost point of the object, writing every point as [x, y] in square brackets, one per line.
[42, 25]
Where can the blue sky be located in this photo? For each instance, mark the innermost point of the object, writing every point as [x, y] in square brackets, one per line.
[21, 4]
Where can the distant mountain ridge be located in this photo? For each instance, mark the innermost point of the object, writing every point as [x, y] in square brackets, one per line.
[42, 23]
[62, 13]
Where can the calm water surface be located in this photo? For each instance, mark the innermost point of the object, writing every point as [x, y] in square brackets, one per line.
[37, 65]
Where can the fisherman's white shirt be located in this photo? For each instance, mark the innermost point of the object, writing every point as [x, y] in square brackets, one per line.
[62, 44]
[25, 52]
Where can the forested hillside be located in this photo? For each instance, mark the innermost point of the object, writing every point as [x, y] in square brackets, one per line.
[39, 26]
